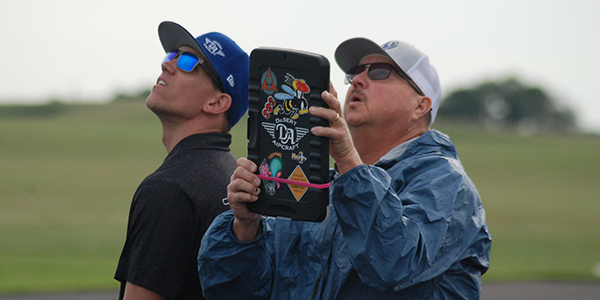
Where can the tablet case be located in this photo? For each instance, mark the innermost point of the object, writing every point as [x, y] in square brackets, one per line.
[292, 163]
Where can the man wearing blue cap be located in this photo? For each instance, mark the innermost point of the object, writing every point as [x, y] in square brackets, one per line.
[405, 221]
[201, 93]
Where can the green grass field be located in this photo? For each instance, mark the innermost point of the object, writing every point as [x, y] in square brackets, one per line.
[66, 182]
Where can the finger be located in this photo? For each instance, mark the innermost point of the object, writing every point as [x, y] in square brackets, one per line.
[241, 185]
[244, 185]
[337, 118]
[333, 134]
[332, 101]
[332, 90]
[243, 181]
[326, 113]
[245, 171]
[247, 164]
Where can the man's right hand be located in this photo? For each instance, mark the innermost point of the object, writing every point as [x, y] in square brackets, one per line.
[244, 187]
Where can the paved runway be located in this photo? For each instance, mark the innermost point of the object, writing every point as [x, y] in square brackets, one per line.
[541, 291]
[490, 291]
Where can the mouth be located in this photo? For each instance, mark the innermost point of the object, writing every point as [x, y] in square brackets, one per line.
[356, 96]
[161, 82]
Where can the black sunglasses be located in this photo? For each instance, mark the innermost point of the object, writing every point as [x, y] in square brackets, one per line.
[380, 71]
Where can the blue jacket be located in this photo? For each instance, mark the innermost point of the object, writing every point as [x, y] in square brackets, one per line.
[408, 228]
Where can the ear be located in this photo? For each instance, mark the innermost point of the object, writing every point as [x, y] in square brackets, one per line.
[423, 107]
[218, 104]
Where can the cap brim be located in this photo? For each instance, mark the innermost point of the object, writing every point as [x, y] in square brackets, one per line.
[172, 36]
[351, 52]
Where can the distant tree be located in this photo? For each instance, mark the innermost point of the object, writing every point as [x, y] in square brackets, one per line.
[508, 104]
[139, 96]
[53, 108]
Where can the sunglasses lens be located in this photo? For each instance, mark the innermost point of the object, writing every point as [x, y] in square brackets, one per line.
[380, 71]
[357, 70]
[353, 72]
[348, 79]
[187, 62]
[169, 56]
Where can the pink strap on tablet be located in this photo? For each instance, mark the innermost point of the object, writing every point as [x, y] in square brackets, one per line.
[293, 182]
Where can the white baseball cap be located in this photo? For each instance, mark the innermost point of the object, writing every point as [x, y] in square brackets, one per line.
[414, 63]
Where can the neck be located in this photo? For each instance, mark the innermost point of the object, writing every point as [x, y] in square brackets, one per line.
[173, 131]
[371, 146]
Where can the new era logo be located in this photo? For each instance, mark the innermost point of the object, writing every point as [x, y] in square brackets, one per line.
[230, 80]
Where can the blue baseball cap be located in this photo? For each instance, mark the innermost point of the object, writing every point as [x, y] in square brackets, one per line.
[223, 57]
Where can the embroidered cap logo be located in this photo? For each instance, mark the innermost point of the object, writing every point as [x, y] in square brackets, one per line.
[389, 45]
[213, 47]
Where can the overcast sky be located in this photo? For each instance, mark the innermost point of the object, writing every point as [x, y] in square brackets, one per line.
[90, 50]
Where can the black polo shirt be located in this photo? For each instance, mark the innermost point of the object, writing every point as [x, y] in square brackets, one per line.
[170, 212]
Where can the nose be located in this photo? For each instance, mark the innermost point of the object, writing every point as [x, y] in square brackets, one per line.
[360, 79]
[169, 66]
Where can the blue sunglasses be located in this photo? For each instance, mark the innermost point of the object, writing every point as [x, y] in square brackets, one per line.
[187, 62]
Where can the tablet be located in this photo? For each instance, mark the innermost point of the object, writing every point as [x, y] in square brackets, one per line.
[293, 164]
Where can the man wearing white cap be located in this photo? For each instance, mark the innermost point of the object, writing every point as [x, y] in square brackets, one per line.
[406, 221]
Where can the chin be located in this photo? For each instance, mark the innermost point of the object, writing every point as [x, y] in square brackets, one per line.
[153, 100]
[352, 118]
[156, 106]
[149, 103]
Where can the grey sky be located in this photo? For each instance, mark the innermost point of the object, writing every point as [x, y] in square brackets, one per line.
[77, 49]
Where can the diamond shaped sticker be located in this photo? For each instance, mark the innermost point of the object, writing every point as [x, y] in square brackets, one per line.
[298, 190]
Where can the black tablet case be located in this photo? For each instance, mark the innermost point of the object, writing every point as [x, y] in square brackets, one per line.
[284, 83]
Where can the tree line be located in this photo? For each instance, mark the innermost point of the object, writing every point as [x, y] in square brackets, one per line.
[508, 104]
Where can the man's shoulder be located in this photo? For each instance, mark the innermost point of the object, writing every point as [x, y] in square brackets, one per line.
[193, 164]
[156, 190]
[434, 138]
[431, 145]
[432, 152]
[197, 179]
[198, 160]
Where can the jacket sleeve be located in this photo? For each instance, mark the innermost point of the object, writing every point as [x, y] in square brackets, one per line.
[230, 269]
[410, 228]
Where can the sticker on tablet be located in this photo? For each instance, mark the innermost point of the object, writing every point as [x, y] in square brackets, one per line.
[297, 190]
[293, 103]
[268, 82]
